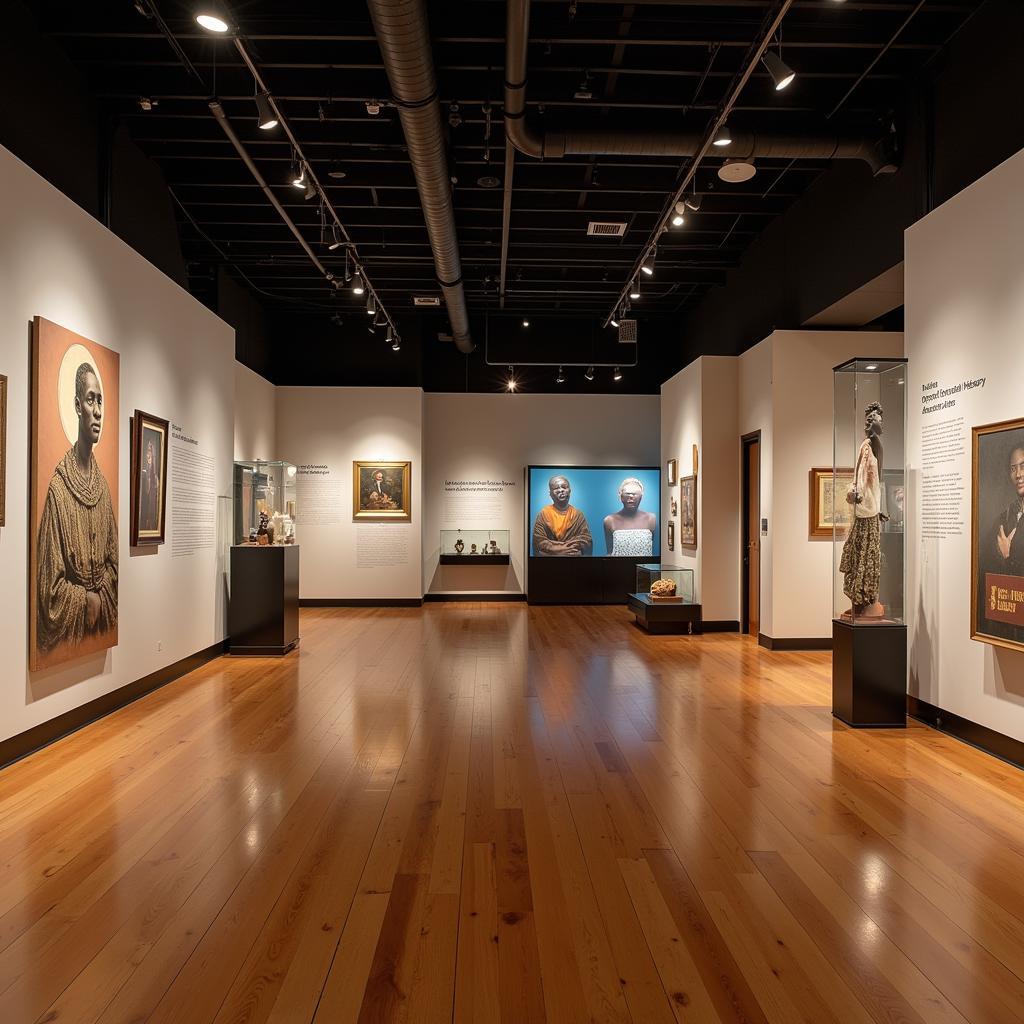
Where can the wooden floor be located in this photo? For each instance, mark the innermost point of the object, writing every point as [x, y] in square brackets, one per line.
[494, 813]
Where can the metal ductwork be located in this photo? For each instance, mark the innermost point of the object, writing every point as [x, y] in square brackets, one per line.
[404, 37]
[633, 143]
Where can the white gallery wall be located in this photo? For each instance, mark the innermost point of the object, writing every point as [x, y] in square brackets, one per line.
[785, 391]
[176, 361]
[255, 416]
[699, 407]
[322, 431]
[476, 447]
[965, 321]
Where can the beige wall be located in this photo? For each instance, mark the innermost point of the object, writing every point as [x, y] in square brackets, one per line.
[255, 416]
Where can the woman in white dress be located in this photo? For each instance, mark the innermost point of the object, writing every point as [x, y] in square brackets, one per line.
[630, 531]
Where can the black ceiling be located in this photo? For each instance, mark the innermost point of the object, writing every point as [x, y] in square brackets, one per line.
[662, 65]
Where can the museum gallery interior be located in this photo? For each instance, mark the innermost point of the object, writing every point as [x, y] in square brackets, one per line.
[512, 511]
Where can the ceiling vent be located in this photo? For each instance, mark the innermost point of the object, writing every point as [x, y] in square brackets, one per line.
[426, 300]
[614, 229]
[627, 332]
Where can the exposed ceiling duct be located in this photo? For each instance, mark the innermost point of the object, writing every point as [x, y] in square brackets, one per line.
[404, 38]
[555, 144]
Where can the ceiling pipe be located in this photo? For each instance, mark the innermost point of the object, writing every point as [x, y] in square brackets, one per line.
[553, 145]
[404, 38]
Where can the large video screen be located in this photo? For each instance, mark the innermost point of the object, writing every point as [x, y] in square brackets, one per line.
[582, 512]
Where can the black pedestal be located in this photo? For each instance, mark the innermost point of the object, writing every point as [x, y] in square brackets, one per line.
[263, 613]
[869, 674]
[664, 616]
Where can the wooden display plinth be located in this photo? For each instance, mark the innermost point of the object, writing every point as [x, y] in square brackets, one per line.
[869, 674]
[665, 616]
[263, 612]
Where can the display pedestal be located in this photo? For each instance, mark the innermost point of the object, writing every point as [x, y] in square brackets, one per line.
[474, 560]
[263, 613]
[665, 616]
[869, 674]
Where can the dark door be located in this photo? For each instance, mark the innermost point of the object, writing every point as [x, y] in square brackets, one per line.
[751, 552]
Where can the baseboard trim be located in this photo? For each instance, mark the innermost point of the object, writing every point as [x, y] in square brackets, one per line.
[42, 735]
[720, 626]
[987, 740]
[360, 602]
[491, 596]
[795, 643]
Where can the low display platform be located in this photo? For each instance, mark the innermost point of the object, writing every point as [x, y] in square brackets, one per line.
[665, 616]
[474, 560]
[869, 674]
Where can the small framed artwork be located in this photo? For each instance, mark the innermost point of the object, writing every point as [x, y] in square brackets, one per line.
[148, 478]
[997, 534]
[673, 472]
[671, 536]
[694, 458]
[688, 511]
[3, 450]
[827, 502]
[382, 492]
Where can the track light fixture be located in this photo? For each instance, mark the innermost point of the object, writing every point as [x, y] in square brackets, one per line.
[371, 305]
[357, 283]
[647, 267]
[511, 383]
[679, 216]
[590, 373]
[390, 336]
[692, 202]
[526, 322]
[614, 321]
[299, 175]
[616, 374]
[723, 137]
[560, 379]
[335, 242]
[310, 192]
[782, 74]
[213, 19]
[396, 344]
[634, 289]
[265, 116]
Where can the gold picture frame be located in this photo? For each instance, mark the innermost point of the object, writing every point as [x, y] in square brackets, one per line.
[673, 473]
[822, 504]
[382, 492]
[688, 511]
[997, 581]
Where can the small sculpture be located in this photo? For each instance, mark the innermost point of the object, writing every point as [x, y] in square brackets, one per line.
[263, 534]
[674, 505]
[459, 546]
[494, 548]
[472, 549]
[663, 588]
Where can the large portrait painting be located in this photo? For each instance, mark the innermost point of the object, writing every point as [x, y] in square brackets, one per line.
[382, 491]
[688, 511]
[997, 535]
[73, 520]
[825, 512]
[149, 478]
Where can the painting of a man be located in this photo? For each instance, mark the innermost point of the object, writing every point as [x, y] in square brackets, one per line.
[75, 555]
[560, 529]
[380, 490]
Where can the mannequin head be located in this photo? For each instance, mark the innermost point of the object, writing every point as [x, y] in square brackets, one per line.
[873, 420]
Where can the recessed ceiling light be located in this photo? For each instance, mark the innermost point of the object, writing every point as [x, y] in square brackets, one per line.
[488, 181]
[871, 366]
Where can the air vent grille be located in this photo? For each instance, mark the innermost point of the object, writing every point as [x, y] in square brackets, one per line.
[614, 229]
[426, 300]
[627, 332]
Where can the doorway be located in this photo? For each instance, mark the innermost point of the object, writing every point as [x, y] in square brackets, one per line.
[750, 555]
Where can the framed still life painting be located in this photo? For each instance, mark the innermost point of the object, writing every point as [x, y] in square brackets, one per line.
[828, 508]
[997, 534]
[148, 478]
[382, 492]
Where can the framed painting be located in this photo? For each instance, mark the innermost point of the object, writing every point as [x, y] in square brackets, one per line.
[671, 536]
[148, 478]
[382, 492]
[688, 511]
[997, 534]
[73, 537]
[672, 477]
[3, 450]
[827, 502]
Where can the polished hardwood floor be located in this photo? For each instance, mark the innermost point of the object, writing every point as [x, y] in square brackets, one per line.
[486, 812]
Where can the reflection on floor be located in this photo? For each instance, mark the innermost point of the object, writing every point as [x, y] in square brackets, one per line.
[495, 813]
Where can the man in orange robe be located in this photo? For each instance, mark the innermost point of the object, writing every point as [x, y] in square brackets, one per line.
[560, 529]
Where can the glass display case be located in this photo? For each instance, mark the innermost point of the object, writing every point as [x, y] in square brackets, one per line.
[869, 633]
[264, 503]
[868, 488]
[665, 582]
[480, 547]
